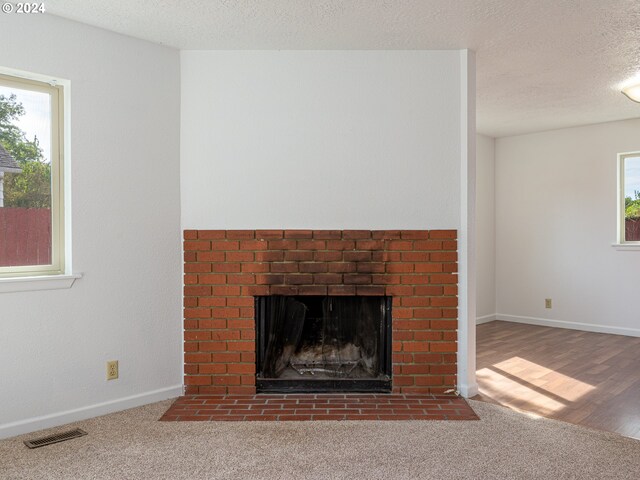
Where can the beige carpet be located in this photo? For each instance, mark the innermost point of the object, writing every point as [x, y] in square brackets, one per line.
[502, 445]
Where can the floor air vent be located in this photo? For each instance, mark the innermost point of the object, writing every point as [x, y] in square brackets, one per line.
[60, 437]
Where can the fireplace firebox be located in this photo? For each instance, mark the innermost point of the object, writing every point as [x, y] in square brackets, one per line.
[323, 344]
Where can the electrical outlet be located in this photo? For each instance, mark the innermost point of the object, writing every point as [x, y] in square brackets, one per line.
[547, 303]
[112, 370]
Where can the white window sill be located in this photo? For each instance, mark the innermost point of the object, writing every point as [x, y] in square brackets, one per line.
[44, 282]
[626, 246]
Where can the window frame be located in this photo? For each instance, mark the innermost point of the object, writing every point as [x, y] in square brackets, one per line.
[621, 240]
[59, 259]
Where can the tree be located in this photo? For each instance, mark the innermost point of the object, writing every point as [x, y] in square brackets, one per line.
[32, 187]
[632, 207]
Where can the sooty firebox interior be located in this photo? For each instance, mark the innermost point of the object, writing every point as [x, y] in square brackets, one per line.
[323, 344]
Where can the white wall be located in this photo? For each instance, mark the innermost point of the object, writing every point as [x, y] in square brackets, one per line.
[126, 233]
[555, 223]
[486, 229]
[320, 139]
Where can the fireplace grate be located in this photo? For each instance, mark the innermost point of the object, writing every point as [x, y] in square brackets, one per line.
[340, 368]
[59, 437]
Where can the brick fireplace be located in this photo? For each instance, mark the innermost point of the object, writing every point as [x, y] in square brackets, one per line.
[225, 270]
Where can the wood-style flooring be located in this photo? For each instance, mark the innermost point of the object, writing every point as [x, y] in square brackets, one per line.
[590, 379]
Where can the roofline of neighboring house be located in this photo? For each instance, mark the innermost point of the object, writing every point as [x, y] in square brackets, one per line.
[10, 170]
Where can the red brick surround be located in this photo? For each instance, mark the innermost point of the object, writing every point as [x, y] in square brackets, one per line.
[225, 269]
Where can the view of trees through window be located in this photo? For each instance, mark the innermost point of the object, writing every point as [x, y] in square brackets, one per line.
[632, 198]
[30, 188]
[25, 177]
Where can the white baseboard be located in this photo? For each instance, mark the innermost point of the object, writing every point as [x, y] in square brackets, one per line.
[485, 319]
[55, 419]
[587, 327]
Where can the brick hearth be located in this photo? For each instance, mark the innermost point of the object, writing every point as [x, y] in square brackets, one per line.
[318, 407]
[225, 269]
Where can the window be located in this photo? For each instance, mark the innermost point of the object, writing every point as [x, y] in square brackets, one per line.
[629, 198]
[32, 226]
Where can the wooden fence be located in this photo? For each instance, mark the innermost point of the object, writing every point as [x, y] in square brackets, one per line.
[632, 230]
[25, 236]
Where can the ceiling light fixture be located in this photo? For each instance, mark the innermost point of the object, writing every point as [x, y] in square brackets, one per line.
[632, 92]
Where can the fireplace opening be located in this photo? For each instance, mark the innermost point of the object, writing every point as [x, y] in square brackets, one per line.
[323, 344]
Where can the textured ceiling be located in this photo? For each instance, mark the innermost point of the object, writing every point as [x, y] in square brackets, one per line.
[542, 64]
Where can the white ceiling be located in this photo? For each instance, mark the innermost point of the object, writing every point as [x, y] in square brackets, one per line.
[541, 64]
